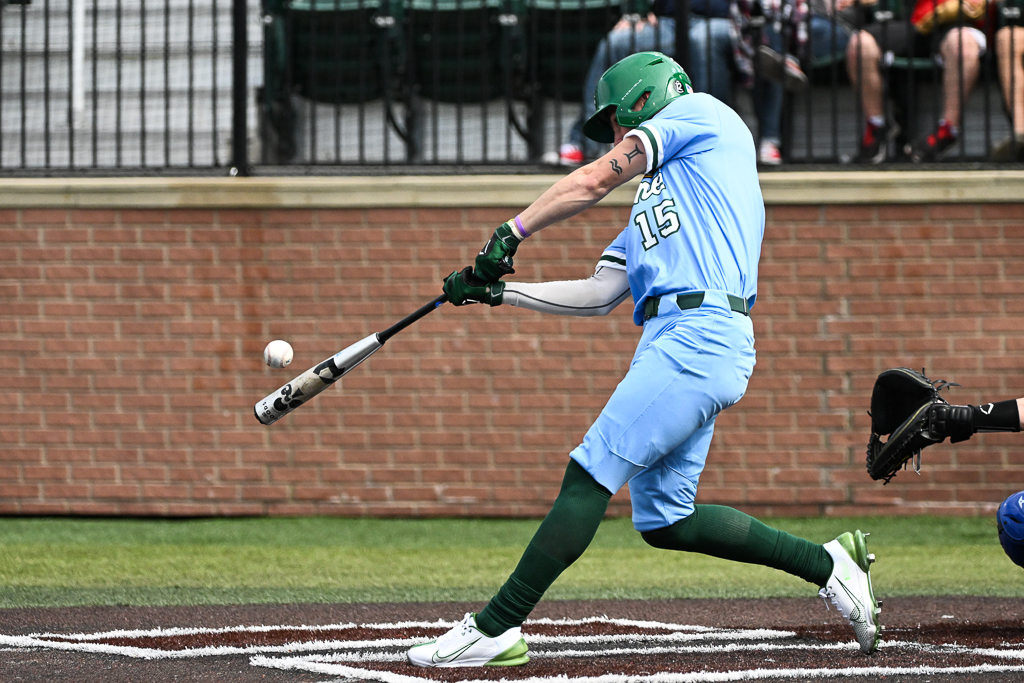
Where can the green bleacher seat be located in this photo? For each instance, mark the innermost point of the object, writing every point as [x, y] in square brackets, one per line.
[466, 50]
[342, 51]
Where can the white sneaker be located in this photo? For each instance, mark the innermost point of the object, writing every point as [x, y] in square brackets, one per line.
[570, 155]
[768, 153]
[849, 588]
[466, 645]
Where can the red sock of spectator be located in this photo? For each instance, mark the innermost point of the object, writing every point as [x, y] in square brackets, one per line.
[871, 133]
[945, 131]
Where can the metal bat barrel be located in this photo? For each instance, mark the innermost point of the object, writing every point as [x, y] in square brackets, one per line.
[313, 381]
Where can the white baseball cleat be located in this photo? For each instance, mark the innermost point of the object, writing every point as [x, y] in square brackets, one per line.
[849, 588]
[467, 645]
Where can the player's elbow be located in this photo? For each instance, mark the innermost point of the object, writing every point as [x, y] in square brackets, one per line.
[591, 184]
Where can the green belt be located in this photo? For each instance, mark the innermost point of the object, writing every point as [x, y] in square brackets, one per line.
[693, 300]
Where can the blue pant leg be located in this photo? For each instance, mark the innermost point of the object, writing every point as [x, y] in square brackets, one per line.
[688, 367]
[767, 95]
[824, 42]
[663, 494]
[710, 57]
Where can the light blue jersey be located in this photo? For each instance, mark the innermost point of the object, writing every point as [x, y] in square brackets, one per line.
[696, 224]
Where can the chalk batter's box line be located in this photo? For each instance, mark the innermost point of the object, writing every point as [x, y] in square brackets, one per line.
[83, 644]
[300, 664]
[681, 633]
[440, 624]
[367, 657]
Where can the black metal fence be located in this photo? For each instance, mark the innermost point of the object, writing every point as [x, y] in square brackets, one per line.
[131, 85]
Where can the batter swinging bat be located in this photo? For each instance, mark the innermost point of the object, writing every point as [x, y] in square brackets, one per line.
[310, 383]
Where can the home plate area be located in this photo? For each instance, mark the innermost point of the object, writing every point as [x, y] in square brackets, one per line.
[591, 649]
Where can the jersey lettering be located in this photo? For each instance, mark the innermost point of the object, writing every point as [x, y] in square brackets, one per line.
[649, 187]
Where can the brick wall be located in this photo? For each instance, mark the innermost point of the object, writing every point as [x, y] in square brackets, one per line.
[132, 358]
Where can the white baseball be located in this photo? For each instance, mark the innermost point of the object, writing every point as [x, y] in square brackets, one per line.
[278, 353]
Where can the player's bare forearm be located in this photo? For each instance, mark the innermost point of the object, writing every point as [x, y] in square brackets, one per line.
[586, 186]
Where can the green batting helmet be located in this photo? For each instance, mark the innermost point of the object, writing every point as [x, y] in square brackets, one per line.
[625, 82]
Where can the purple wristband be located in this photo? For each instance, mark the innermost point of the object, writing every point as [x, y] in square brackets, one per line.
[520, 228]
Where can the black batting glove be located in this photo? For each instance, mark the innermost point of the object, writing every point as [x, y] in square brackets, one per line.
[495, 260]
[462, 287]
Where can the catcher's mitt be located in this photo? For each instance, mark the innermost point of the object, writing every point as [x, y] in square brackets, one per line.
[906, 405]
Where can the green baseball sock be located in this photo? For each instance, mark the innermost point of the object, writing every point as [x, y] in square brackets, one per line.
[723, 532]
[562, 537]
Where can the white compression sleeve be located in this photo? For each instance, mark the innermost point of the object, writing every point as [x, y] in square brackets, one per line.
[597, 295]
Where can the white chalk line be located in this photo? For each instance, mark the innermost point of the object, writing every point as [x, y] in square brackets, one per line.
[367, 657]
[440, 623]
[331, 664]
[666, 677]
[88, 645]
[370, 657]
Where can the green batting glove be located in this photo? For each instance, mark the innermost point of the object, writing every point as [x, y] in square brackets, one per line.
[462, 287]
[495, 260]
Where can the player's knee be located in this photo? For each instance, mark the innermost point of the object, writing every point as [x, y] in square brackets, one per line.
[671, 537]
[656, 538]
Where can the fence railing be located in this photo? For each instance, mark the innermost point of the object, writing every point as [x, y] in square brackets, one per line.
[136, 85]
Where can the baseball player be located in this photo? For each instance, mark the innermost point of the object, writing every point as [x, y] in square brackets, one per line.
[689, 259]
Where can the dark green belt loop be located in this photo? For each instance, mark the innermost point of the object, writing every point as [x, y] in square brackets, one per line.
[694, 300]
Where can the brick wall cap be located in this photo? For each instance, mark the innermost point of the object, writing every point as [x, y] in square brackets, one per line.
[779, 188]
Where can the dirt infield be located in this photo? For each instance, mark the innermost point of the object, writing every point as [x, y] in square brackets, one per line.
[672, 641]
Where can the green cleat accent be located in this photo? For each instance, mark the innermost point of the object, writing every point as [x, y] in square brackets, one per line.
[514, 656]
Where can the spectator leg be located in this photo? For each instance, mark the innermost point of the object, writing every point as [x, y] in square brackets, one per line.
[710, 56]
[862, 65]
[826, 41]
[961, 56]
[1010, 53]
[768, 96]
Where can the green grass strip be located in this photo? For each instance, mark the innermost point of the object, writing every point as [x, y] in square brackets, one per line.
[58, 562]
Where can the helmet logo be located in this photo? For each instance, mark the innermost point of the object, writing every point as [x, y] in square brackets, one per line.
[677, 86]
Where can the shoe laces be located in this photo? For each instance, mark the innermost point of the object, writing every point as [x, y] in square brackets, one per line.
[830, 595]
[825, 594]
[461, 630]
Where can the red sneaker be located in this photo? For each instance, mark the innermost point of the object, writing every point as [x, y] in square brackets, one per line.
[570, 155]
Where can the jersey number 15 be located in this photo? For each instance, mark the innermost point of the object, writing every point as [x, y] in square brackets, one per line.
[665, 219]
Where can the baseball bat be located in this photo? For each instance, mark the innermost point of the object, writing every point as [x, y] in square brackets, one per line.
[303, 388]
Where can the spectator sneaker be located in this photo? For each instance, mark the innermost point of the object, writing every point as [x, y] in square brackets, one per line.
[849, 588]
[466, 645]
[785, 70]
[1005, 150]
[768, 153]
[570, 155]
[874, 146]
[931, 147]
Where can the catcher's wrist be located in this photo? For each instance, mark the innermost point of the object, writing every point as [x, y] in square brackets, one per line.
[1003, 416]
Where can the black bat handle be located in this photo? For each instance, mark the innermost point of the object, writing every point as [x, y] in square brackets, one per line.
[410, 319]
